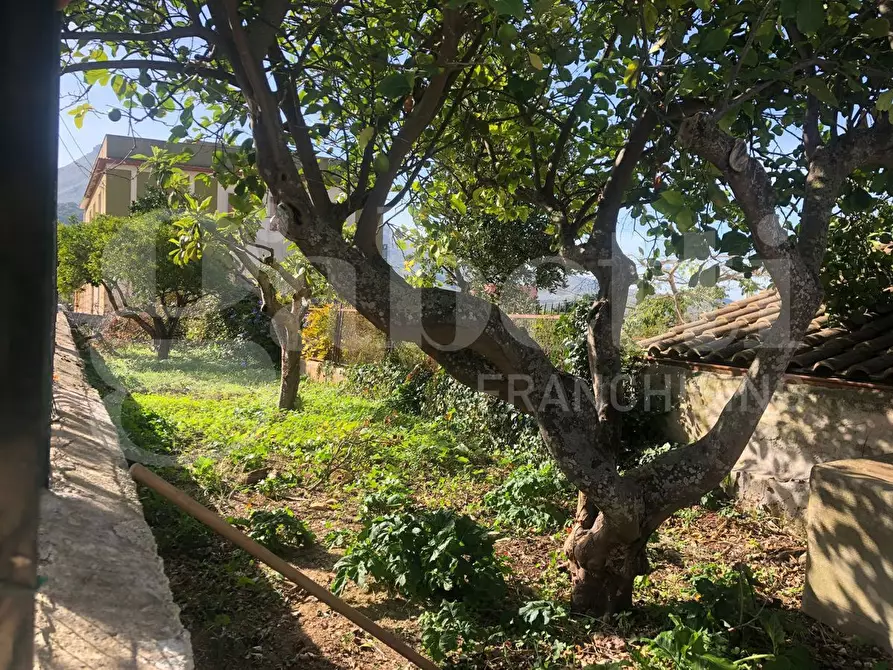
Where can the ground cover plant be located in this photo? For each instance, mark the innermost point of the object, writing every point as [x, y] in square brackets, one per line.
[361, 497]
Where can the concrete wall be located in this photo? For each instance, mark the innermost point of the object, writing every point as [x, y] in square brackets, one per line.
[805, 424]
[117, 197]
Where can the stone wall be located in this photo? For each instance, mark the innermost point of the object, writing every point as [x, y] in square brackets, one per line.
[106, 601]
[805, 424]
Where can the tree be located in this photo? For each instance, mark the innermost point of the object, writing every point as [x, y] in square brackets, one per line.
[502, 261]
[660, 110]
[284, 286]
[656, 314]
[129, 257]
[858, 270]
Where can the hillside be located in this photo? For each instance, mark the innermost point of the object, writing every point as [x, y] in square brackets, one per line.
[72, 184]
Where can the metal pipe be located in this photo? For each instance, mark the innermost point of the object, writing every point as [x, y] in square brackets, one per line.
[216, 523]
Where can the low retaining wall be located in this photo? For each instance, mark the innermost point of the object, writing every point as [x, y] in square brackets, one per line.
[322, 371]
[106, 602]
[804, 425]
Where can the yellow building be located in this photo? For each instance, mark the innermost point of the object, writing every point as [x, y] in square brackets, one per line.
[118, 179]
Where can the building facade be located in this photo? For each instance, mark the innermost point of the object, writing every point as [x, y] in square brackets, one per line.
[118, 178]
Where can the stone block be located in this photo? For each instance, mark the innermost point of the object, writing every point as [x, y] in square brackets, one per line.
[849, 570]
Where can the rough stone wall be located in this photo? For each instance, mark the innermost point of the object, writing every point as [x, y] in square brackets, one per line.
[805, 424]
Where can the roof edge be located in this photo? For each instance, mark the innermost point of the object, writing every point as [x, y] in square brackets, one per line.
[789, 377]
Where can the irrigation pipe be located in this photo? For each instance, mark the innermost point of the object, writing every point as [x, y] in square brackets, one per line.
[216, 523]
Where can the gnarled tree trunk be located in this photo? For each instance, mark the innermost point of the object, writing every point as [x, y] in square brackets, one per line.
[603, 562]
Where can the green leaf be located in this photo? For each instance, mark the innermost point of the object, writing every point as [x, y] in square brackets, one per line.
[100, 77]
[734, 243]
[513, 8]
[672, 197]
[810, 16]
[819, 89]
[114, 115]
[715, 40]
[876, 28]
[717, 196]
[535, 60]
[458, 203]
[709, 277]
[395, 85]
[381, 163]
[364, 136]
[885, 101]
[684, 219]
[629, 77]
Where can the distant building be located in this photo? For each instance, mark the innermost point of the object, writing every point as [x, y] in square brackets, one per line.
[117, 180]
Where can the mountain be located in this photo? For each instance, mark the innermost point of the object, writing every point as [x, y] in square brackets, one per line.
[72, 184]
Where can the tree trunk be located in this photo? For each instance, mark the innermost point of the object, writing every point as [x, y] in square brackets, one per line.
[602, 562]
[163, 348]
[291, 378]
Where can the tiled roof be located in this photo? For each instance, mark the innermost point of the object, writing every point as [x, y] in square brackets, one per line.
[861, 349]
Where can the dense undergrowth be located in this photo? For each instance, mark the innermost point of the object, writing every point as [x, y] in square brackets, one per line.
[439, 497]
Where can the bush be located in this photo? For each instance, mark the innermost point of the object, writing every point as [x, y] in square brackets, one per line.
[319, 333]
[424, 555]
[453, 627]
[277, 529]
[389, 496]
[242, 321]
[532, 497]
[120, 329]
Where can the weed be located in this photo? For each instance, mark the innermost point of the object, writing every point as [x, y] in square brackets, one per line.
[532, 497]
[277, 529]
[452, 627]
[277, 484]
[424, 555]
[340, 537]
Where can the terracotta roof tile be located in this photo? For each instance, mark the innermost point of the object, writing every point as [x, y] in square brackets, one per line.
[861, 349]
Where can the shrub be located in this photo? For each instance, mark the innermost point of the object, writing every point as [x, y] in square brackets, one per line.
[538, 615]
[424, 555]
[120, 329]
[277, 529]
[277, 484]
[242, 321]
[482, 421]
[453, 627]
[532, 497]
[318, 333]
[389, 496]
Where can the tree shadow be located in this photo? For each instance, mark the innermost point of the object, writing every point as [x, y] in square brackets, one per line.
[238, 614]
[235, 613]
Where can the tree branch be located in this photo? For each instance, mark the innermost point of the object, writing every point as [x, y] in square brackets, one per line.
[180, 32]
[128, 64]
[298, 128]
[828, 170]
[263, 29]
[415, 124]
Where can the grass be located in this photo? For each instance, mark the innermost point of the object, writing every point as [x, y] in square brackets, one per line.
[211, 413]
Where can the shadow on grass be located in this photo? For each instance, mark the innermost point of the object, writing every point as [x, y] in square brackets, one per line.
[236, 615]
[231, 607]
